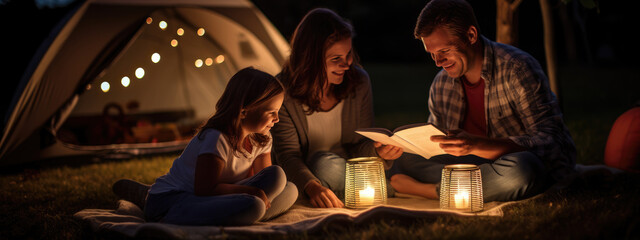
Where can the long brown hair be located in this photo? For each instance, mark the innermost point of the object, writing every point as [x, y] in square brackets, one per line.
[247, 89]
[304, 73]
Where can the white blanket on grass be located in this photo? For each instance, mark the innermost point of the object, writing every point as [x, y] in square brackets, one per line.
[127, 220]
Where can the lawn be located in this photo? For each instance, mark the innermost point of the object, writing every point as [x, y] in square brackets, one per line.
[38, 200]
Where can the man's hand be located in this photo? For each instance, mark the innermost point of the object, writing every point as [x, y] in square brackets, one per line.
[322, 197]
[457, 143]
[461, 143]
[387, 152]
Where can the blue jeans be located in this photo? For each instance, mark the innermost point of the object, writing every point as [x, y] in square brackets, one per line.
[184, 208]
[511, 177]
[330, 169]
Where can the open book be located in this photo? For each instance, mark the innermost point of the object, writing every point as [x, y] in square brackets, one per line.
[413, 138]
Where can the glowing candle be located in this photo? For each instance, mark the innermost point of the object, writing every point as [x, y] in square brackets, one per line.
[366, 196]
[462, 199]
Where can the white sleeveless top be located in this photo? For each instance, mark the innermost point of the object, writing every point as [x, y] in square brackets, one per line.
[325, 129]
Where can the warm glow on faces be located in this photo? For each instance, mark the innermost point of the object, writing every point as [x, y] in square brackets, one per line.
[338, 59]
[262, 118]
[446, 51]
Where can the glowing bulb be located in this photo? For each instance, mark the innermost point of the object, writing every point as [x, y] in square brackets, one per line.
[180, 31]
[105, 86]
[174, 43]
[162, 25]
[208, 61]
[199, 63]
[88, 87]
[155, 57]
[220, 59]
[125, 81]
[149, 20]
[200, 31]
[140, 73]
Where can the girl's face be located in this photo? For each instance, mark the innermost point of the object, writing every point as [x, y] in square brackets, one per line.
[262, 118]
[337, 60]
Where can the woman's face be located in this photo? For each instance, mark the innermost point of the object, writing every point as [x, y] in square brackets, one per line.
[337, 60]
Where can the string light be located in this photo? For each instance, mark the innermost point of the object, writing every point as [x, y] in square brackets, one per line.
[155, 57]
[125, 81]
[140, 73]
[105, 86]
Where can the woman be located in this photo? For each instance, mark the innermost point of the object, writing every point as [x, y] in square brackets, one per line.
[329, 97]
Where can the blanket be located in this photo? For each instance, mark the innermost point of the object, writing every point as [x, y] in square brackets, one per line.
[127, 220]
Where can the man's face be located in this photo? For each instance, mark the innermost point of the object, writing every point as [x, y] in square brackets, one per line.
[448, 51]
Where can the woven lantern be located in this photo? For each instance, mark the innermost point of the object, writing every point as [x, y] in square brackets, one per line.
[461, 188]
[365, 183]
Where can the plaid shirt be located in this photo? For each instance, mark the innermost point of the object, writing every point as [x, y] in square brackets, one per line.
[519, 105]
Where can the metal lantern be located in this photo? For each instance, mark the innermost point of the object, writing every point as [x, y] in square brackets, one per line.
[461, 188]
[365, 182]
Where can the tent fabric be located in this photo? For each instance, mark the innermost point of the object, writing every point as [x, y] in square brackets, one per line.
[93, 43]
[128, 220]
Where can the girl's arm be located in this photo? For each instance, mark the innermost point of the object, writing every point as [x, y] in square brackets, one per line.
[261, 162]
[208, 170]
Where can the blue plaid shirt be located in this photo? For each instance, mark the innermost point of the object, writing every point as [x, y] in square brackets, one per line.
[519, 105]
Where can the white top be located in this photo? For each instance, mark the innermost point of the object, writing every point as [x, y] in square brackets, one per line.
[181, 176]
[325, 129]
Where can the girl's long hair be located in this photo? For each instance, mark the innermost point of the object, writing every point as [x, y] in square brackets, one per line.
[247, 89]
[304, 73]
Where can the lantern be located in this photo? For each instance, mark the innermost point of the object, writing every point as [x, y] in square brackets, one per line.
[365, 182]
[461, 188]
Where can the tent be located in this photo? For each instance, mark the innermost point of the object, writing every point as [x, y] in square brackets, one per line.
[133, 76]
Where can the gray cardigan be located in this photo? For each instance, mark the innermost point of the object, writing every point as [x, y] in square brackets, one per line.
[291, 144]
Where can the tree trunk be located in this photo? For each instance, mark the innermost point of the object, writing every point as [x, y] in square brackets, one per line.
[549, 48]
[507, 21]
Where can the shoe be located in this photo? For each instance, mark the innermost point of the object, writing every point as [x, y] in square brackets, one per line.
[131, 191]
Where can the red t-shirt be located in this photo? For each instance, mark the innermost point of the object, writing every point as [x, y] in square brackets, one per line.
[474, 119]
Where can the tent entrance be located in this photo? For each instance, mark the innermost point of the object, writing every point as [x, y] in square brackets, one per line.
[161, 87]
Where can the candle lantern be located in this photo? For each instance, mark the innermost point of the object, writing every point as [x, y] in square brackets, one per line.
[365, 182]
[461, 188]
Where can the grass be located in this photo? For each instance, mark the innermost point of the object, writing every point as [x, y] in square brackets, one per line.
[38, 200]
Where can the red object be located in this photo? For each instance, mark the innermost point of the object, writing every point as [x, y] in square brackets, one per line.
[623, 146]
[474, 121]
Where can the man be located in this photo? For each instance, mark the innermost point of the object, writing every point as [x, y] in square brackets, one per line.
[495, 103]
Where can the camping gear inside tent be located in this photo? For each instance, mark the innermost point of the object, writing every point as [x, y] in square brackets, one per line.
[133, 77]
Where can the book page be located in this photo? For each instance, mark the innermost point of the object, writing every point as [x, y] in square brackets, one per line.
[421, 138]
[384, 139]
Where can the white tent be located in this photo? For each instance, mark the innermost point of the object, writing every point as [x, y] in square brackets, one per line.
[169, 60]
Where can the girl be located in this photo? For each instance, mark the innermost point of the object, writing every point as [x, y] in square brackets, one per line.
[329, 97]
[224, 176]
